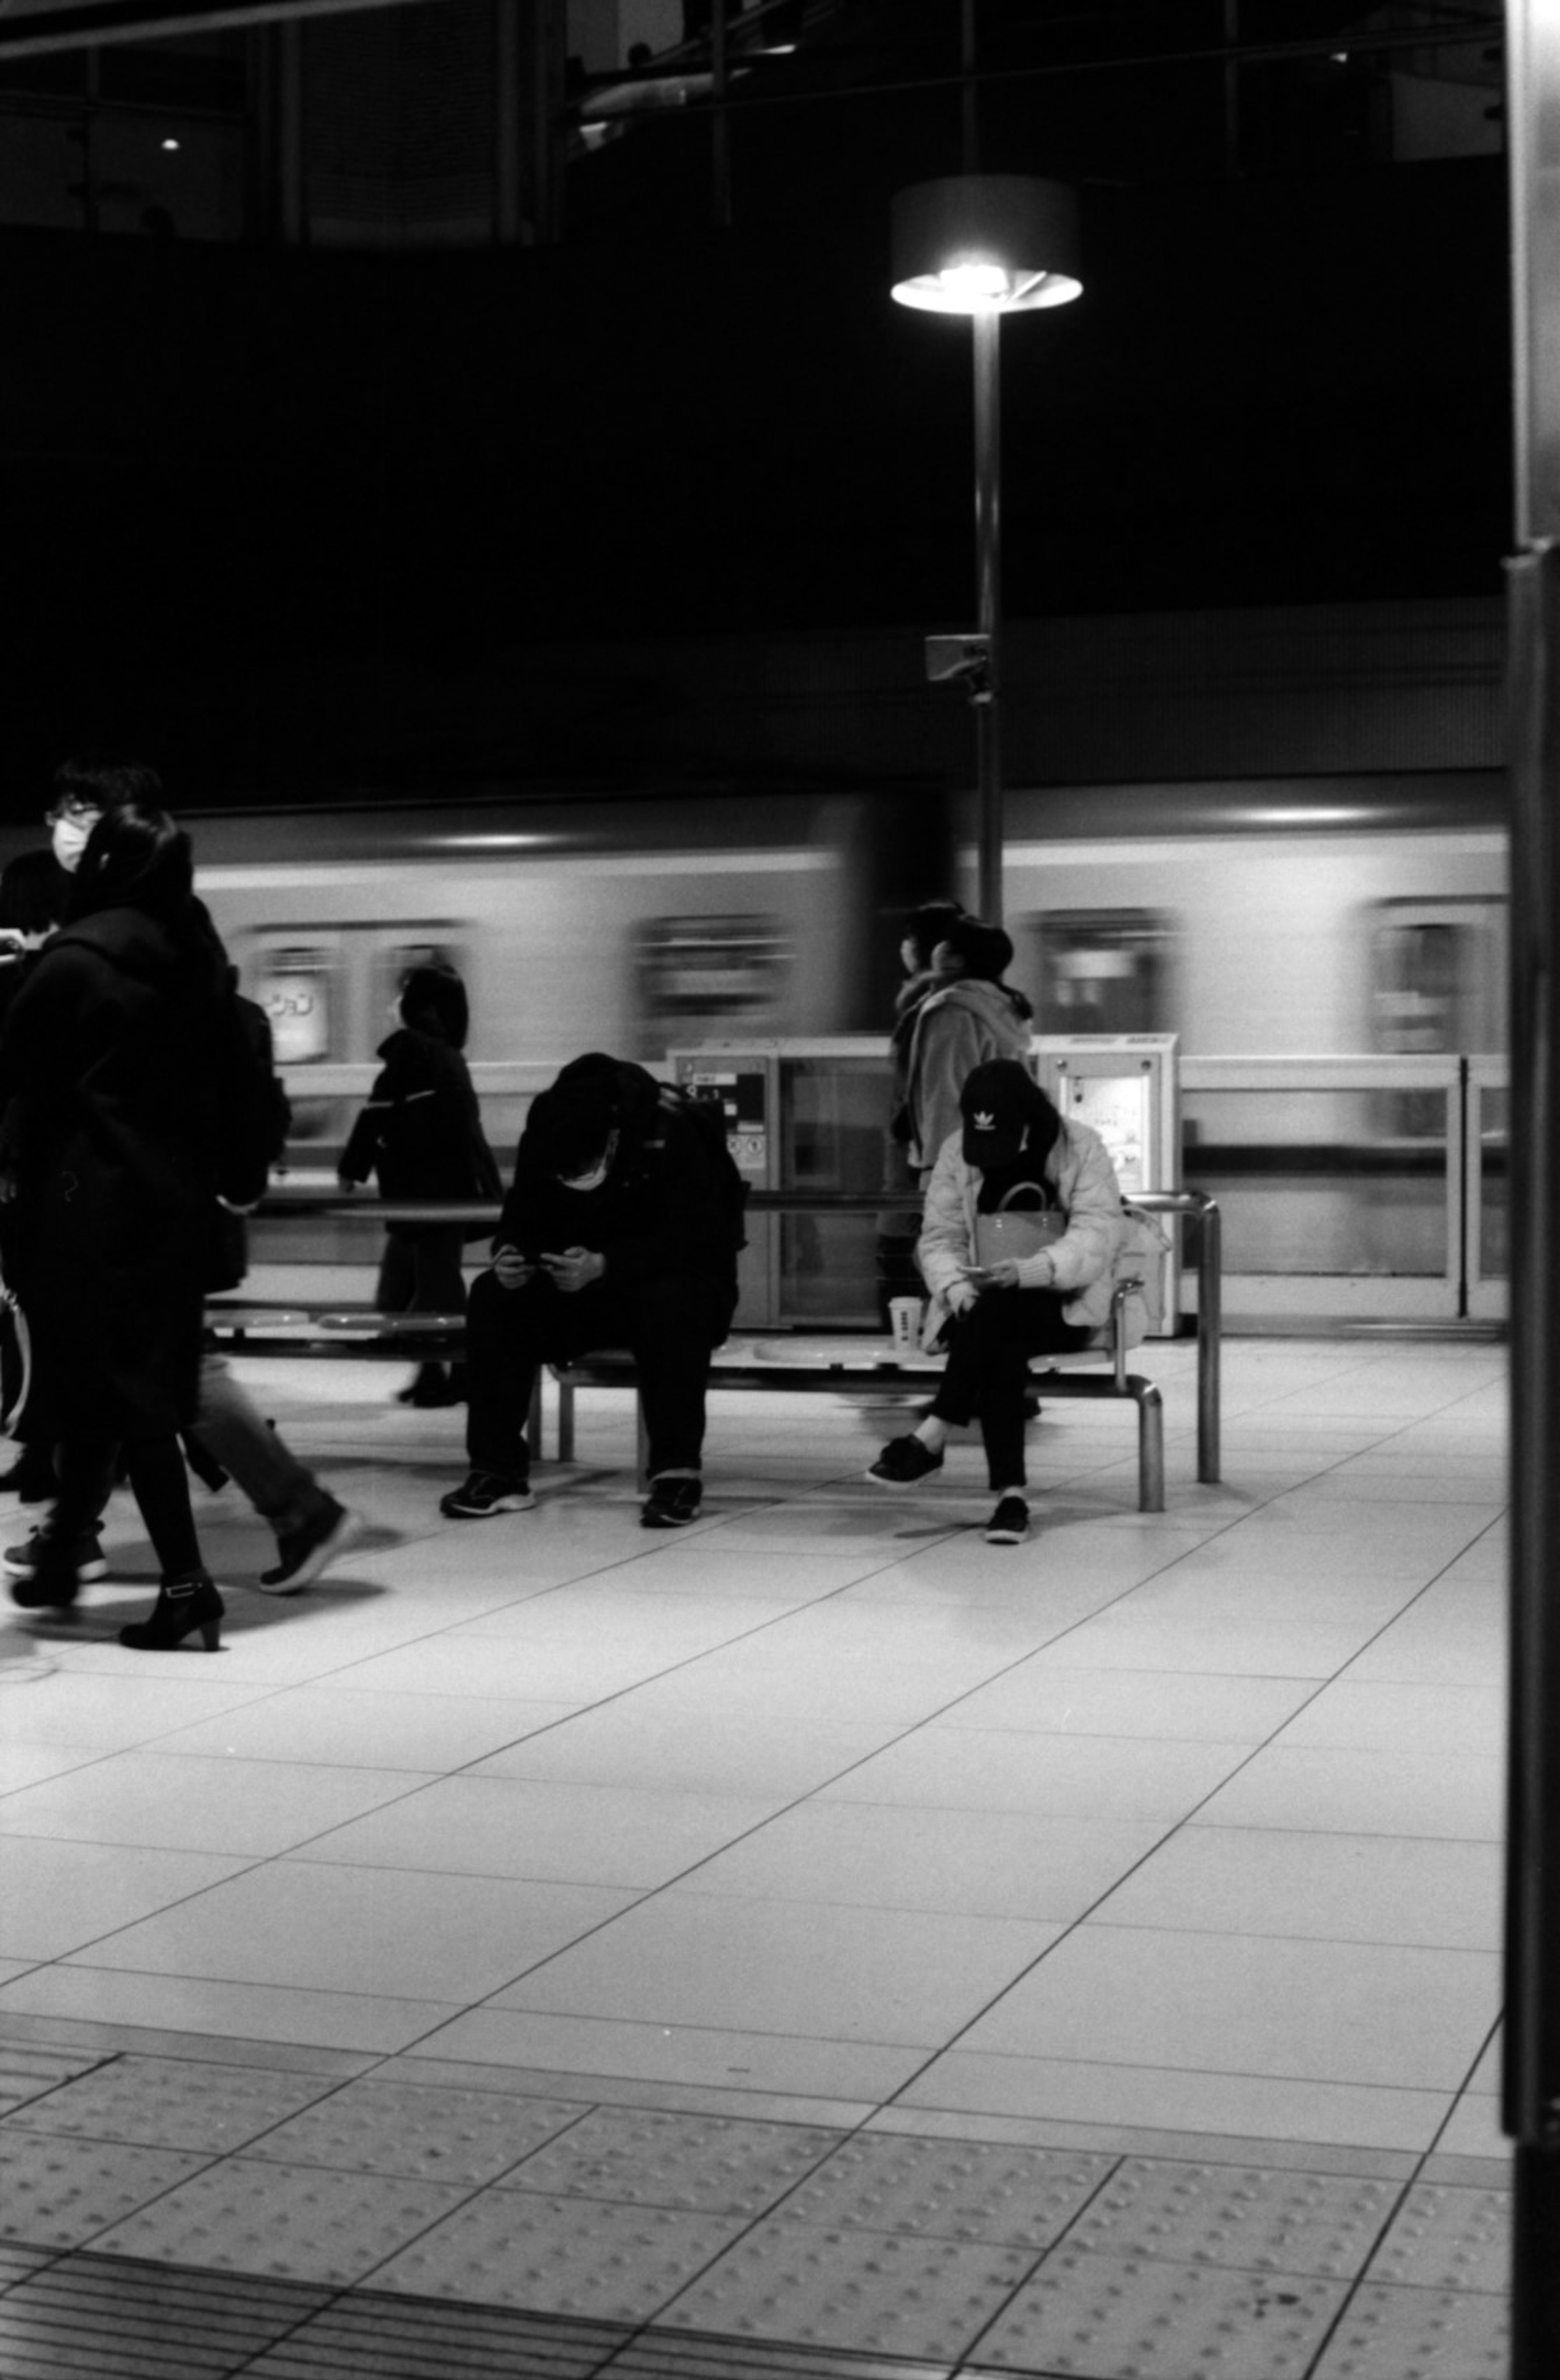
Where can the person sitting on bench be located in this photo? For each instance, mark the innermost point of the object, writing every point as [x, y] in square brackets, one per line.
[1014, 1154]
[611, 1235]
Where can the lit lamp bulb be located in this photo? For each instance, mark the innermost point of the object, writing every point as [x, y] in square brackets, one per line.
[985, 243]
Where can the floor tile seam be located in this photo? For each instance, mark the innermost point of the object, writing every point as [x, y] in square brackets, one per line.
[1447, 2092]
[1463, 2091]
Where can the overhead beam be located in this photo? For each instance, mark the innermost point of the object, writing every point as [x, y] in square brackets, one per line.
[84, 24]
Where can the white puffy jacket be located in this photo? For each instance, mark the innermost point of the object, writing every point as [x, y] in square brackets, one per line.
[1081, 1262]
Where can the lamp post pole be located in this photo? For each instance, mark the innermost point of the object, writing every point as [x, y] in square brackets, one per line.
[987, 327]
[984, 245]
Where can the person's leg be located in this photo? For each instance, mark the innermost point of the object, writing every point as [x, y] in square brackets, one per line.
[186, 1599]
[64, 1551]
[312, 1526]
[282, 1489]
[508, 1333]
[670, 1333]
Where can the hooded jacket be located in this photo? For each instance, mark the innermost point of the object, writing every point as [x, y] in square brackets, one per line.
[956, 1028]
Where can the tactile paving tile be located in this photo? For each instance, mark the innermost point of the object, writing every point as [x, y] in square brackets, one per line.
[119, 2321]
[26, 2073]
[867, 2290]
[60, 2192]
[173, 2103]
[298, 2222]
[419, 2130]
[1252, 2217]
[1135, 2318]
[1409, 2334]
[366, 2336]
[682, 2355]
[714, 2165]
[1449, 2237]
[950, 2189]
[16, 2262]
[560, 2256]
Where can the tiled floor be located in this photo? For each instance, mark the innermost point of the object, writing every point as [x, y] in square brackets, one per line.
[813, 1941]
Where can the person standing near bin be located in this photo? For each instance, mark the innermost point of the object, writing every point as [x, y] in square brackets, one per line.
[969, 1017]
[421, 1135]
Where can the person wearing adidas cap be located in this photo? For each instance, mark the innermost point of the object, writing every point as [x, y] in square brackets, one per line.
[1012, 1146]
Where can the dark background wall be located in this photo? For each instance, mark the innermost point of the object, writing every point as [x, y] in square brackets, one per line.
[286, 518]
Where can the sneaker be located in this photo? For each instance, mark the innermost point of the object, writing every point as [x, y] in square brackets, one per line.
[904, 1461]
[21, 1561]
[484, 1493]
[672, 1503]
[306, 1552]
[1009, 1525]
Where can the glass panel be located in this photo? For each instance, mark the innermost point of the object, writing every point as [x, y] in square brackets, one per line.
[833, 1136]
[1319, 1182]
[1494, 1236]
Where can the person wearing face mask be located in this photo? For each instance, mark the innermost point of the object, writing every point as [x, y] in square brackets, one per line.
[84, 789]
[613, 1233]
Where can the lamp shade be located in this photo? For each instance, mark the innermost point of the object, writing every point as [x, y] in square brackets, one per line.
[985, 243]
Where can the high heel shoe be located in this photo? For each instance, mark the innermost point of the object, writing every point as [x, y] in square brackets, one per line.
[182, 1606]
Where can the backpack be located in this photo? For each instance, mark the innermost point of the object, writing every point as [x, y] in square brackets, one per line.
[708, 1119]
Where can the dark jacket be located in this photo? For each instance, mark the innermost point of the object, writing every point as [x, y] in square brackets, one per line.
[133, 1089]
[421, 1131]
[657, 1213]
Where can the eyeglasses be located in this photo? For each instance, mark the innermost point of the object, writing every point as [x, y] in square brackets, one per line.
[73, 813]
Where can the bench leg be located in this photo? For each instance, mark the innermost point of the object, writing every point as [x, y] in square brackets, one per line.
[565, 1421]
[642, 1440]
[536, 1424]
[1150, 1446]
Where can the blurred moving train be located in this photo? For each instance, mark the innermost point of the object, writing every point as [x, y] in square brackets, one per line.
[1358, 914]
[1332, 916]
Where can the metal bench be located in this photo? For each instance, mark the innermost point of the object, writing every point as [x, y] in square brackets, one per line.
[860, 1367]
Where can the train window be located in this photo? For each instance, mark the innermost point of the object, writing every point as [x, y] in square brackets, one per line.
[293, 986]
[1437, 984]
[1100, 970]
[701, 969]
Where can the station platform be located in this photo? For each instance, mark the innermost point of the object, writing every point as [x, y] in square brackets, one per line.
[811, 1943]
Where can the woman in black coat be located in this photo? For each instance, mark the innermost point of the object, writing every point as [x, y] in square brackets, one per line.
[134, 1104]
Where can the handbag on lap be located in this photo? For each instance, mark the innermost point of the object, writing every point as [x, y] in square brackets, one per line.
[1015, 1233]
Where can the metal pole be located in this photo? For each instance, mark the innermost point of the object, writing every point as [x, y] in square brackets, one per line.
[1531, 2078]
[720, 117]
[987, 324]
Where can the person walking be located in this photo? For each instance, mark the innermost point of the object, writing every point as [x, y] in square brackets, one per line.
[136, 1101]
[421, 1135]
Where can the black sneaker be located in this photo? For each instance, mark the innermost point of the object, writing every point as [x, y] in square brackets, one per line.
[484, 1493]
[672, 1503]
[1009, 1525]
[902, 1462]
[306, 1552]
[22, 1561]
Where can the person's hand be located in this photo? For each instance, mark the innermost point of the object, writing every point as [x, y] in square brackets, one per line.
[961, 1296]
[345, 1182]
[511, 1268]
[1003, 1274]
[575, 1270]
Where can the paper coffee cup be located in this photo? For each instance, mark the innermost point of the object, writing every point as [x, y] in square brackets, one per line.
[904, 1321]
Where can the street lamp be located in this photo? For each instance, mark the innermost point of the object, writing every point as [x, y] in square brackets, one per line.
[984, 245]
